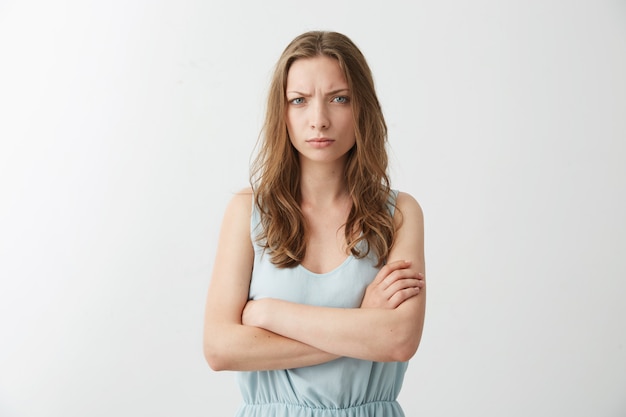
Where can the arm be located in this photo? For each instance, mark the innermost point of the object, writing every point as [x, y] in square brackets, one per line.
[378, 334]
[228, 344]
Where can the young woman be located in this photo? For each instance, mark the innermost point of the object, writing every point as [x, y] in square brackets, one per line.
[317, 295]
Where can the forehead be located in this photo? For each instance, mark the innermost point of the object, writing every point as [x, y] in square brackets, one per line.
[320, 72]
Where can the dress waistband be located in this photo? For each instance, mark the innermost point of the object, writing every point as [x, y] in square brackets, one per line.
[285, 409]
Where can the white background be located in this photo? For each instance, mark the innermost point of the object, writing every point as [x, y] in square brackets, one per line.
[125, 126]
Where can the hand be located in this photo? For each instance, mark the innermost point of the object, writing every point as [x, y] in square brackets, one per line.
[395, 283]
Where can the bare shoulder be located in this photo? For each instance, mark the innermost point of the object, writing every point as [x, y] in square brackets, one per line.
[237, 214]
[244, 193]
[241, 201]
[235, 245]
[409, 238]
[408, 208]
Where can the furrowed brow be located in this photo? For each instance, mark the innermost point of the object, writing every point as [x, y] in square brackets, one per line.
[330, 93]
[299, 93]
[340, 90]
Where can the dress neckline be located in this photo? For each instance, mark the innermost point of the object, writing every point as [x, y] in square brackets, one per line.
[332, 271]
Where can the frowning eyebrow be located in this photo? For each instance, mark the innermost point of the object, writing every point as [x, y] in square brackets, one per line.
[330, 93]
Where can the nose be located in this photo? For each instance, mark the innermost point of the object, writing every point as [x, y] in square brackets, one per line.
[319, 116]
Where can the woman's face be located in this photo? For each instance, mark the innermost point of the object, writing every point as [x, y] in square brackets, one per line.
[319, 115]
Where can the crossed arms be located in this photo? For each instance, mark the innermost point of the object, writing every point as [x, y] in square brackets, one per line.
[275, 334]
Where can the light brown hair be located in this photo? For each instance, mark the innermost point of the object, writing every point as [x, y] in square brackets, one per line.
[275, 173]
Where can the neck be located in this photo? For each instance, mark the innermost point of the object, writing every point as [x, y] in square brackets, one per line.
[322, 184]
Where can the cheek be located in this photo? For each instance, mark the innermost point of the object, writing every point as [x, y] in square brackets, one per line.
[290, 122]
[347, 120]
[291, 134]
[348, 127]
[294, 126]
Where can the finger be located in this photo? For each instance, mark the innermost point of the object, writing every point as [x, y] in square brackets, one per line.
[398, 275]
[401, 296]
[389, 268]
[420, 280]
[401, 285]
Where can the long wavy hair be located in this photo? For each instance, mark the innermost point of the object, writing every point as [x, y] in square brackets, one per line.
[275, 171]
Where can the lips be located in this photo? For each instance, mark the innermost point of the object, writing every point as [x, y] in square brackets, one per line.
[319, 140]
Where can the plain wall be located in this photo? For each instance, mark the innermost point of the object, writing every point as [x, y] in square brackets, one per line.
[126, 126]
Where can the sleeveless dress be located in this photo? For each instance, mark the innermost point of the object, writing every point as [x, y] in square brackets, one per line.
[344, 387]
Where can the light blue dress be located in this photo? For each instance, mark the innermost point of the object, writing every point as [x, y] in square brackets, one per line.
[345, 387]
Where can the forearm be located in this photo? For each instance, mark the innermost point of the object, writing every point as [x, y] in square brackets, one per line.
[365, 333]
[245, 348]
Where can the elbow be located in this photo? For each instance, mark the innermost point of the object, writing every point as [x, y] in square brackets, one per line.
[404, 348]
[407, 335]
[216, 355]
[223, 350]
[404, 352]
[215, 361]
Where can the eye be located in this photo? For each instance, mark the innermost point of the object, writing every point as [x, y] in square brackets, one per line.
[341, 99]
[297, 100]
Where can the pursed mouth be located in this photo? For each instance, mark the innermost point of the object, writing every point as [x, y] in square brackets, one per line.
[320, 140]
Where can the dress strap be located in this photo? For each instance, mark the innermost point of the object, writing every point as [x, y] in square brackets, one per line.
[391, 201]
